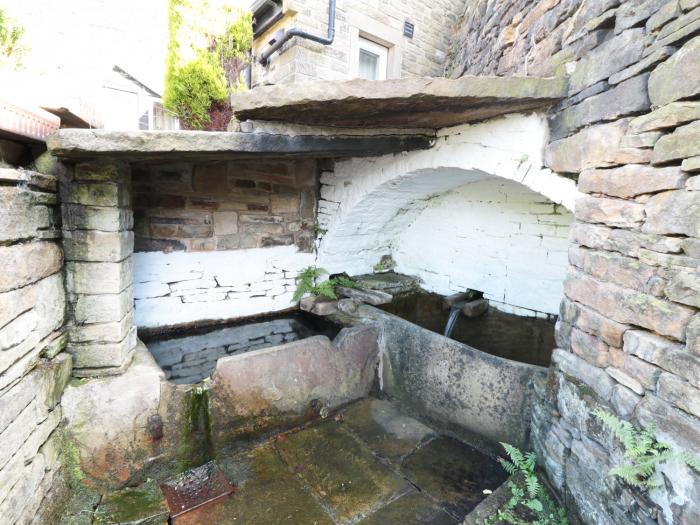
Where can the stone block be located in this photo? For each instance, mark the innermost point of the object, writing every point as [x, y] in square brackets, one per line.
[17, 330]
[624, 401]
[107, 219]
[673, 212]
[97, 246]
[211, 178]
[590, 348]
[626, 242]
[668, 116]
[92, 171]
[614, 268]
[99, 277]
[670, 356]
[625, 380]
[590, 321]
[627, 306]
[658, 55]
[607, 59]
[287, 202]
[106, 194]
[684, 142]
[631, 180]
[103, 308]
[669, 11]
[225, 222]
[673, 426]
[641, 140]
[692, 334]
[628, 97]
[475, 308]
[592, 147]
[52, 348]
[613, 212]
[374, 297]
[113, 332]
[679, 393]
[684, 287]
[631, 12]
[102, 355]
[646, 374]
[692, 165]
[678, 77]
[596, 378]
[27, 263]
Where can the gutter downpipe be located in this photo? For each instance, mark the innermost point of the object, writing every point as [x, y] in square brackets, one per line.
[265, 57]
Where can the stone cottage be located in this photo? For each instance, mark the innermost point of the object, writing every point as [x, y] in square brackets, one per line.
[543, 155]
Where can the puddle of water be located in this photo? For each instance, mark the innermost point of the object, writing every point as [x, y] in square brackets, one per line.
[525, 339]
[191, 357]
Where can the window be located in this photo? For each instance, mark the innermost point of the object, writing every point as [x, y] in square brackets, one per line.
[372, 60]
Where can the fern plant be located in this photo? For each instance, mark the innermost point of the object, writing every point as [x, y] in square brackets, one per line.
[309, 282]
[529, 502]
[642, 453]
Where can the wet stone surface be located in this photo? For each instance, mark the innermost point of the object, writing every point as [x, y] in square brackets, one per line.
[190, 358]
[367, 465]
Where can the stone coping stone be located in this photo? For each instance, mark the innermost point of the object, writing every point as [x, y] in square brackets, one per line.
[221, 145]
[401, 103]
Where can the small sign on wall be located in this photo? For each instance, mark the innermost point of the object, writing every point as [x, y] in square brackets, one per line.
[408, 29]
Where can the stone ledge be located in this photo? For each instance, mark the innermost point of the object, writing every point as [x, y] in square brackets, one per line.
[403, 103]
[210, 145]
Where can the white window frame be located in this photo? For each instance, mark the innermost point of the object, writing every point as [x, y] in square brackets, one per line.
[376, 49]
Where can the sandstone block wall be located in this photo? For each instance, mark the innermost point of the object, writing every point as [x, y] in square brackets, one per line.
[423, 55]
[629, 132]
[224, 205]
[98, 243]
[33, 367]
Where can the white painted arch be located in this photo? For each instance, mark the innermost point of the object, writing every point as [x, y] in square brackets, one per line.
[367, 204]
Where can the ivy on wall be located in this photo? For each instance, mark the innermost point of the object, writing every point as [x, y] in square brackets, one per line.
[11, 43]
[207, 53]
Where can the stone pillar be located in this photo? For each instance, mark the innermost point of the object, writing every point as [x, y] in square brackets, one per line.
[98, 243]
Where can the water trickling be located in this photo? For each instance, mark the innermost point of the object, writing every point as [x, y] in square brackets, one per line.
[452, 318]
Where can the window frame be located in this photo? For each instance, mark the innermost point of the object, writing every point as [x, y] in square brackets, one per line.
[379, 50]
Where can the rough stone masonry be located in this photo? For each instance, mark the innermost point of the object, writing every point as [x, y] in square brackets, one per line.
[629, 332]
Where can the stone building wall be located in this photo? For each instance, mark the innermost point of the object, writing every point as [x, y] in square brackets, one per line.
[220, 240]
[629, 330]
[382, 21]
[34, 369]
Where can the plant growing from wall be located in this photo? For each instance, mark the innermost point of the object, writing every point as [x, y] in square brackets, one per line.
[642, 453]
[207, 52]
[309, 282]
[529, 502]
[11, 43]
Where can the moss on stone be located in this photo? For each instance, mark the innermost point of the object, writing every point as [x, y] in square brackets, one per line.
[196, 444]
[143, 505]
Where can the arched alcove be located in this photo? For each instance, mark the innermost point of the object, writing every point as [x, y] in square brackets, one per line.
[476, 211]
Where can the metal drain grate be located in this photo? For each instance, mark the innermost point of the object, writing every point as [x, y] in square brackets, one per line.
[196, 487]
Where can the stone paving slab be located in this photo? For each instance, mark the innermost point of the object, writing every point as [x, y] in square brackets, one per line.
[453, 473]
[410, 509]
[267, 493]
[343, 474]
[384, 429]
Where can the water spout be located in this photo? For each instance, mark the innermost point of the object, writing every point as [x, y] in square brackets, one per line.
[452, 318]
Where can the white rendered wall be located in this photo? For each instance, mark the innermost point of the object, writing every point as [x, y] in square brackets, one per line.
[367, 205]
[183, 287]
[496, 236]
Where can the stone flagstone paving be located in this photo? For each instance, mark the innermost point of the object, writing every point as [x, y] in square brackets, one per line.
[370, 465]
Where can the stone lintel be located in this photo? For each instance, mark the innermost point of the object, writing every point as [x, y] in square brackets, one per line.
[206, 145]
[401, 103]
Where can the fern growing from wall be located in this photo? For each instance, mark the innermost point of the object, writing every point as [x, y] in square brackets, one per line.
[642, 453]
[309, 282]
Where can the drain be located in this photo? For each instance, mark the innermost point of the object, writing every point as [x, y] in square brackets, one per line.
[196, 487]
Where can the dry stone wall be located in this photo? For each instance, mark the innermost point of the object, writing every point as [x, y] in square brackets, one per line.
[629, 132]
[34, 369]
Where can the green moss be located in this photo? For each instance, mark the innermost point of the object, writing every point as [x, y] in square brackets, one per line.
[70, 459]
[143, 504]
[196, 444]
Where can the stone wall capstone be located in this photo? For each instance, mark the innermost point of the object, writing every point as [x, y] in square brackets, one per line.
[629, 132]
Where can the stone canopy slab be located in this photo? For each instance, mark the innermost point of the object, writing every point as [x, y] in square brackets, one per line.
[407, 103]
[207, 145]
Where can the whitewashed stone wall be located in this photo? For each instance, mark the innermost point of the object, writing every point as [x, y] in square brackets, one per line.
[367, 205]
[495, 236]
[185, 287]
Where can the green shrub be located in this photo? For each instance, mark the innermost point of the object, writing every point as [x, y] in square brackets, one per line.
[11, 45]
[308, 282]
[193, 88]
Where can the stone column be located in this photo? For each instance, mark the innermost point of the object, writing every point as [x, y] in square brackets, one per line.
[98, 243]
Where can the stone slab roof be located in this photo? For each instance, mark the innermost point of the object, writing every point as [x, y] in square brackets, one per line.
[406, 103]
[206, 145]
